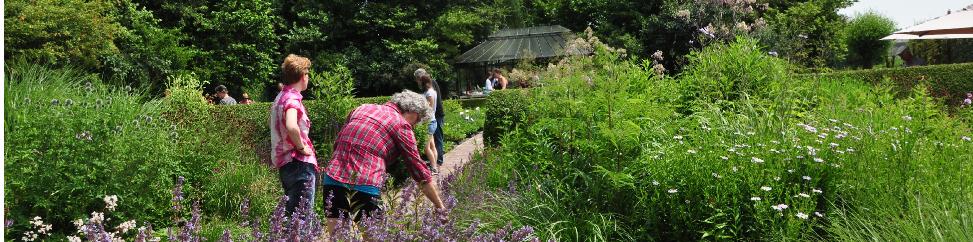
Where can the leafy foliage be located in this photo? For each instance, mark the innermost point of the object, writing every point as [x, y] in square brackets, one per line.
[864, 33]
[75, 33]
[604, 157]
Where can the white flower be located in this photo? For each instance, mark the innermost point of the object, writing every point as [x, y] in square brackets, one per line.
[111, 202]
[74, 239]
[673, 190]
[677, 137]
[966, 138]
[809, 128]
[907, 118]
[834, 145]
[818, 214]
[734, 169]
[655, 183]
[126, 226]
[691, 151]
[724, 158]
[818, 160]
[97, 217]
[801, 215]
[682, 13]
[717, 175]
[755, 199]
[807, 178]
[804, 195]
[779, 207]
[766, 188]
[776, 178]
[790, 170]
[823, 135]
[815, 190]
[756, 160]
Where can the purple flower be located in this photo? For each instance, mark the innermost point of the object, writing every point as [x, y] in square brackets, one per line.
[226, 236]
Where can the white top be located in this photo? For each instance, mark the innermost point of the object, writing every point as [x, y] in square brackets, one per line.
[489, 84]
[431, 92]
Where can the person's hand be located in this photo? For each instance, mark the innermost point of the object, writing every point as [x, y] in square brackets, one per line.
[442, 215]
[305, 151]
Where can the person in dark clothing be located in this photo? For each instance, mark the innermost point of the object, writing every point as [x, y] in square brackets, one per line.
[440, 113]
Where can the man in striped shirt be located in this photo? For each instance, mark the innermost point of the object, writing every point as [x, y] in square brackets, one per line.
[373, 137]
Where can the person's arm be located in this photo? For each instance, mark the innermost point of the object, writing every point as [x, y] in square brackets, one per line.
[503, 82]
[294, 131]
[406, 141]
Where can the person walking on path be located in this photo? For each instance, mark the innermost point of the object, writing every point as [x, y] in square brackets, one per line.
[372, 138]
[430, 148]
[223, 95]
[440, 114]
[291, 149]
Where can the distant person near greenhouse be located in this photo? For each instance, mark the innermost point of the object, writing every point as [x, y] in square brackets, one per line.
[500, 82]
[440, 114]
[490, 82]
[292, 151]
[371, 139]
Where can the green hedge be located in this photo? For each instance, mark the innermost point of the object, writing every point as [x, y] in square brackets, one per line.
[505, 110]
[949, 82]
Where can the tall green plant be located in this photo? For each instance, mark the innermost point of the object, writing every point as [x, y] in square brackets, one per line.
[864, 38]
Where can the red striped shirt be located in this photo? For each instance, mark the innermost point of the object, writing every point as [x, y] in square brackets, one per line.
[371, 139]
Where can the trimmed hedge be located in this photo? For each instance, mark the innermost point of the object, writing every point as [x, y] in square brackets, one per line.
[949, 82]
[505, 111]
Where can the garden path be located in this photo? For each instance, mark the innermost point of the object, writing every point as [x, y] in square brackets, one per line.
[460, 154]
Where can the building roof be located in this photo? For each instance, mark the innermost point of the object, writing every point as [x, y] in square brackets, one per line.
[515, 44]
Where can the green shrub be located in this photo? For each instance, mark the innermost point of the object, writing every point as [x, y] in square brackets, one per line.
[727, 73]
[460, 122]
[505, 110]
[864, 35]
[71, 141]
[601, 160]
[948, 82]
[63, 33]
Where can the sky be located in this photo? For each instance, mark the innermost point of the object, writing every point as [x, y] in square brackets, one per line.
[907, 12]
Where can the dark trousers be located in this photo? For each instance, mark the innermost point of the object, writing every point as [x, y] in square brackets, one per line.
[298, 179]
[438, 136]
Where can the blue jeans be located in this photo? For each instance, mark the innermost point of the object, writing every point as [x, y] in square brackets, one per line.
[298, 179]
[438, 137]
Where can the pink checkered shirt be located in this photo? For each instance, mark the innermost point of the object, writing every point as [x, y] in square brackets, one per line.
[372, 138]
[282, 149]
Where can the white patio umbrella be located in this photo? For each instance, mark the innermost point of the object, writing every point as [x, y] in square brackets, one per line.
[960, 22]
[924, 37]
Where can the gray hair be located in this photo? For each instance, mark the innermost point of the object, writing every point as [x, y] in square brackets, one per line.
[409, 101]
[420, 72]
